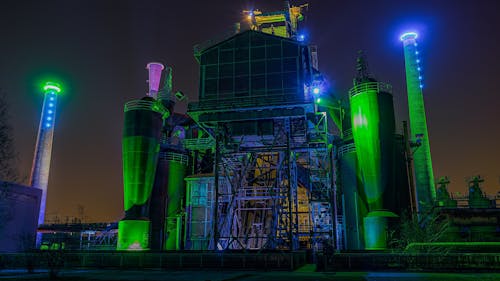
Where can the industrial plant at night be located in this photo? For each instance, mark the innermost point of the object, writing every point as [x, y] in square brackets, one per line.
[270, 159]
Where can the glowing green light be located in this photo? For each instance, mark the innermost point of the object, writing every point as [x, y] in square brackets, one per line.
[318, 100]
[133, 235]
[50, 86]
[366, 133]
[175, 193]
[422, 161]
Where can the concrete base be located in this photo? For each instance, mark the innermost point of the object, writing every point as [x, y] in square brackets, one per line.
[375, 226]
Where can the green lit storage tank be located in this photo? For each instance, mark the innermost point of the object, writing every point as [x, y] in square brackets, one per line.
[166, 208]
[372, 117]
[141, 144]
[176, 165]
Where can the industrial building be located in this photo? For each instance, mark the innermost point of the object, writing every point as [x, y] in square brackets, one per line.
[19, 209]
[265, 158]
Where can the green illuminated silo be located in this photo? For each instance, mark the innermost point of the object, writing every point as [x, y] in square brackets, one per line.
[141, 145]
[372, 117]
[177, 169]
[166, 207]
[424, 176]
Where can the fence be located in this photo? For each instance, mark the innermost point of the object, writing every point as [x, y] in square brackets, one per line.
[455, 262]
[137, 260]
[434, 262]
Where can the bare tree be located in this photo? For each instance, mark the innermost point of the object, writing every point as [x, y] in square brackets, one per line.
[8, 156]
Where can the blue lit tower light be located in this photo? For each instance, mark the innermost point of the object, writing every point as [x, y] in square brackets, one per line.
[424, 176]
[41, 162]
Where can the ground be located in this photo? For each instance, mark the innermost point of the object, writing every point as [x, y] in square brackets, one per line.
[211, 275]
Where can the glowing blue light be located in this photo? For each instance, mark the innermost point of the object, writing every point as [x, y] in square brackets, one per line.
[419, 77]
[408, 35]
[418, 68]
[301, 37]
[416, 52]
[51, 104]
[418, 61]
[47, 125]
[415, 44]
[50, 112]
[51, 98]
[421, 86]
[49, 118]
[316, 91]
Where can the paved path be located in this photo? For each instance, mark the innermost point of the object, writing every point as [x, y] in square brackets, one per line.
[108, 275]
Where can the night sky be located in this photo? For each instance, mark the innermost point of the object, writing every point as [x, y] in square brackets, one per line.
[98, 51]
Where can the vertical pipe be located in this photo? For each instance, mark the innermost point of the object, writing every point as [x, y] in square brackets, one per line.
[215, 210]
[426, 193]
[409, 166]
[154, 70]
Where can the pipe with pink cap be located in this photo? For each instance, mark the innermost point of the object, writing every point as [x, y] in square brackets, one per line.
[155, 69]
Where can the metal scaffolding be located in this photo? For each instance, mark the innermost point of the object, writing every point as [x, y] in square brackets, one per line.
[273, 191]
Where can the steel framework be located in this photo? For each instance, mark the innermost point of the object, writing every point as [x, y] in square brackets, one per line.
[273, 191]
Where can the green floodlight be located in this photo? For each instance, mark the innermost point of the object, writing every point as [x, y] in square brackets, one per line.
[51, 86]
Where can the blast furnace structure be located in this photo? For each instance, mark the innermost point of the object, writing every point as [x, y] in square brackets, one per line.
[256, 164]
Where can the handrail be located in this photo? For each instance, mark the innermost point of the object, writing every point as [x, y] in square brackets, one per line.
[247, 101]
[370, 86]
[346, 148]
[155, 106]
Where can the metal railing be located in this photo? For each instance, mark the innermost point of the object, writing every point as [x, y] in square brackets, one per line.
[145, 105]
[249, 101]
[198, 143]
[346, 149]
[142, 260]
[404, 261]
[176, 157]
[370, 87]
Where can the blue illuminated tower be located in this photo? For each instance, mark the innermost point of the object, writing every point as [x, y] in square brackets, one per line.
[424, 177]
[43, 150]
